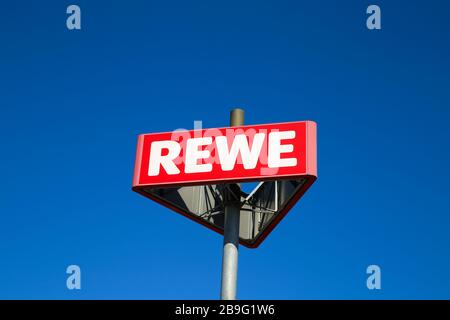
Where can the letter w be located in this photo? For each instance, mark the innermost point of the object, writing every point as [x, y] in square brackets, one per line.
[249, 157]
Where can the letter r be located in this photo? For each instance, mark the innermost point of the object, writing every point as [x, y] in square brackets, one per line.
[167, 162]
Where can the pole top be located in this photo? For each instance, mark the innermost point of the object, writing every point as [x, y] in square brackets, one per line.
[237, 117]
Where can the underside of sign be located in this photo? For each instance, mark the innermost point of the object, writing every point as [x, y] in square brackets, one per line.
[203, 199]
[261, 210]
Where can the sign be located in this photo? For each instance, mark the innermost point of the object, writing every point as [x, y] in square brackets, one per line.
[282, 156]
[248, 153]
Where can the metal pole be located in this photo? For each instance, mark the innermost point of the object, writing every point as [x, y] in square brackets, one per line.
[231, 229]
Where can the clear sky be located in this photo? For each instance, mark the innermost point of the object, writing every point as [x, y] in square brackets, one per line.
[73, 102]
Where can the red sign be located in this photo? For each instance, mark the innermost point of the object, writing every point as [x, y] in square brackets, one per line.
[187, 171]
[235, 154]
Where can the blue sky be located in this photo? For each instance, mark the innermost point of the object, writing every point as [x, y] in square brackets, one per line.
[73, 102]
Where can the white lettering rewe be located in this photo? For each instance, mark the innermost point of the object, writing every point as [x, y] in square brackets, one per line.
[164, 153]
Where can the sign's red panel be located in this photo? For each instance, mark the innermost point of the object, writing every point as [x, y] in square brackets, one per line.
[235, 154]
